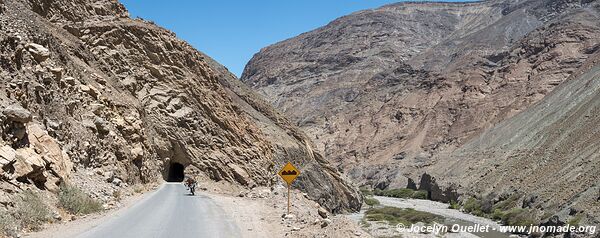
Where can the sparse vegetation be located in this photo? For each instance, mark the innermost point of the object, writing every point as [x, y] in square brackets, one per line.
[509, 203]
[366, 191]
[518, 217]
[420, 194]
[31, 212]
[506, 211]
[397, 193]
[371, 201]
[138, 189]
[117, 195]
[498, 215]
[8, 225]
[76, 201]
[473, 206]
[402, 193]
[546, 215]
[364, 223]
[575, 220]
[454, 205]
[394, 215]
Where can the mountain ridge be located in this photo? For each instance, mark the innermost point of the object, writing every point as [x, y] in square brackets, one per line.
[388, 94]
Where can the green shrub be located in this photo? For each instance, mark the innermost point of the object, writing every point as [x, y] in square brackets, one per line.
[371, 201]
[397, 193]
[31, 211]
[117, 195]
[401, 193]
[420, 194]
[511, 202]
[366, 191]
[454, 205]
[364, 223]
[394, 215]
[138, 188]
[76, 201]
[498, 215]
[473, 206]
[576, 220]
[518, 217]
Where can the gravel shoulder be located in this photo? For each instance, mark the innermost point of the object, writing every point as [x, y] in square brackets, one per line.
[260, 213]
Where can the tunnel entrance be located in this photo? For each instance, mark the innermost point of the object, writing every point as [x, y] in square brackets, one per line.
[175, 173]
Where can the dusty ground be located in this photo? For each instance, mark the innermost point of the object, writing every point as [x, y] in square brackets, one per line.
[260, 211]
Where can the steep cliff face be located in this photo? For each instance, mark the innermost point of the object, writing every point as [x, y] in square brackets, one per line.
[383, 91]
[125, 101]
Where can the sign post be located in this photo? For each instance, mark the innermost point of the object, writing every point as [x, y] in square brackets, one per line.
[288, 173]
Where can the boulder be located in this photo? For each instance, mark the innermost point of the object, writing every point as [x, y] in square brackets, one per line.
[28, 162]
[7, 155]
[50, 150]
[325, 222]
[322, 212]
[93, 92]
[70, 80]
[101, 125]
[57, 72]
[17, 113]
[97, 108]
[117, 181]
[130, 83]
[4, 198]
[84, 88]
[240, 174]
[137, 152]
[39, 52]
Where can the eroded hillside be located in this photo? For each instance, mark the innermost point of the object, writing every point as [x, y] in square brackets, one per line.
[547, 157]
[383, 91]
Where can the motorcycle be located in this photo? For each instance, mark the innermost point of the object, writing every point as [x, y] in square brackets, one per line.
[192, 188]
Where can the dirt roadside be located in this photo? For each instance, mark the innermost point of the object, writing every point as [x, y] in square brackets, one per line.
[260, 212]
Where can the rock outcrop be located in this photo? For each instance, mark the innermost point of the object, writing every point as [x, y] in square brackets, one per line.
[86, 88]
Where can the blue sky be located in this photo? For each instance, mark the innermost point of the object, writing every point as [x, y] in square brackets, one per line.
[231, 31]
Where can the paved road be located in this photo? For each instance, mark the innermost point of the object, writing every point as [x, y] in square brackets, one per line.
[168, 212]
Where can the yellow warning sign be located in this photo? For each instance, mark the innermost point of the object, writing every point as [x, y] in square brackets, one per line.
[289, 173]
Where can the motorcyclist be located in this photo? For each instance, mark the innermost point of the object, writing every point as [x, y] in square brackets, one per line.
[190, 183]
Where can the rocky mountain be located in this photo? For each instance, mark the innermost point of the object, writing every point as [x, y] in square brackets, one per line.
[94, 98]
[493, 99]
[548, 156]
[383, 91]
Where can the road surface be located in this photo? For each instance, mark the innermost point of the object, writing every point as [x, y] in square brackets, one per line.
[168, 212]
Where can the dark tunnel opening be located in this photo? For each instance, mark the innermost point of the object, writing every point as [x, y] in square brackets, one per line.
[176, 173]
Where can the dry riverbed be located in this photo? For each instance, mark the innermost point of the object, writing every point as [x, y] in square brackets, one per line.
[451, 216]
